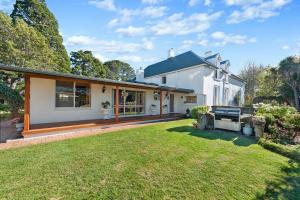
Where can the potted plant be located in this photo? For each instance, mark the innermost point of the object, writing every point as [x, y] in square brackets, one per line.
[187, 113]
[199, 113]
[247, 130]
[259, 123]
[105, 109]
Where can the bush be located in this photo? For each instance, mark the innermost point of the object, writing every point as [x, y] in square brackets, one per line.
[4, 108]
[282, 122]
[199, 110]
[294, 120]
[278, 112]
[293, 153]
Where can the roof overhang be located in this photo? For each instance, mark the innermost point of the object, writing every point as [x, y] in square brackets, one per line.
[72, 77]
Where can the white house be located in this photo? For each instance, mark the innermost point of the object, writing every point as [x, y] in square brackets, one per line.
[59, 101]
[208, 76]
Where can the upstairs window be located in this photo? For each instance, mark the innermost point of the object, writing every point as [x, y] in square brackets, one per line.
[72, 94]
[164, 80]
[216, 74]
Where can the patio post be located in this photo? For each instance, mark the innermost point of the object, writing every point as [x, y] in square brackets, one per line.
[117, 105]
[27, 105]
[160, 104]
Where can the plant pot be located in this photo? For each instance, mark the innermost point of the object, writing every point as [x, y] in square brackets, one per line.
[247, 130]
[19, 127]
[105, 112]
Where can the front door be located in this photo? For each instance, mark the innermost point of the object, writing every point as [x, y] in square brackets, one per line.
[171, 103]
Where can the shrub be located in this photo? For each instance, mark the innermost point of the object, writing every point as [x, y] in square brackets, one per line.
[4, 108]
[278, 112]
[289, 152]
[282, 122]
[199, 110]
[294, 120]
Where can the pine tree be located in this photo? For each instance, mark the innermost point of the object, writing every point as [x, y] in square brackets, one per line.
[84, 63]
[36, 14]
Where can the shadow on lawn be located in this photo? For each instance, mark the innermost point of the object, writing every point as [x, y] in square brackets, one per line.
[236, 138]
[286, 187]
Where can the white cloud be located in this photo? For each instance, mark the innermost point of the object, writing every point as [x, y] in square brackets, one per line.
[126, 15]
[154, 12]
[93, 44]
[131, 58]
[285, 47]
[80, 40]
[100, 57]
[104, 4]
[131, 31]
[177, 24]
[207, 2]
[151, 1]
[195, 2]
[255, 9]
[6, 5]
[222, 39]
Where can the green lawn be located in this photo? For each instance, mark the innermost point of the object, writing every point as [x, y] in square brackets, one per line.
[166, 161]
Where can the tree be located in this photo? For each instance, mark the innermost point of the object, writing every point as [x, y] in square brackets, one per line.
[84, 63]
[36, 14]
[289, 69]
[250, 75]
[118, 70]
[269, 83]
[23, 46]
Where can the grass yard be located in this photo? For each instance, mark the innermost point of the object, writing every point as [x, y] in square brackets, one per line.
[166, 161]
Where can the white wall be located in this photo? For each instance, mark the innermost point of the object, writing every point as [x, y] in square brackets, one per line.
[200, 79]
[42, 103]
[43, 110]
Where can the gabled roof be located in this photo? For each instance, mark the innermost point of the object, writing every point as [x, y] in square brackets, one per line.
[211, 56]
[184, 60]
[224, 62]
[72, 77]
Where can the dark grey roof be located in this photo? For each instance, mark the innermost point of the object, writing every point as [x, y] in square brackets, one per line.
[185, 60]
[53, 74]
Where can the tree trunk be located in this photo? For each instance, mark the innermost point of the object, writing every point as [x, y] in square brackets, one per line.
[296, 96]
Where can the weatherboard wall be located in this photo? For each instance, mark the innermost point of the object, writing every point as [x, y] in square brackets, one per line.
[43, 110]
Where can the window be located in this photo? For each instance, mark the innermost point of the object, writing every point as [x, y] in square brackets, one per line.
[216, 95]
[130, 102]
[64, 94]
[191, 99]
[83, 95]
[216, 74]
[164, 80]
[226, 93]
[71, 94]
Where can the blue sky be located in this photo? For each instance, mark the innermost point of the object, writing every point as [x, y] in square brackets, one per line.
[140, 32]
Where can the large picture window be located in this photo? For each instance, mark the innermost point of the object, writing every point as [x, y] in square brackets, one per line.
[72, 94]
[130, 102]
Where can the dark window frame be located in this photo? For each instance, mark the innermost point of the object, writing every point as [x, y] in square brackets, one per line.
[74, 95]
[164, 79]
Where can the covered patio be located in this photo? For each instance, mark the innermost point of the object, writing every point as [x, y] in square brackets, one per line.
[31, 75]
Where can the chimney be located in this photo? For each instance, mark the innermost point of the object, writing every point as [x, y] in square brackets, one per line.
[208, 53]
[171, 53]
[139, 75]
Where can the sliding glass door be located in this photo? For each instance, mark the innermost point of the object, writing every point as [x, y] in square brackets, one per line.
[130, 102]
